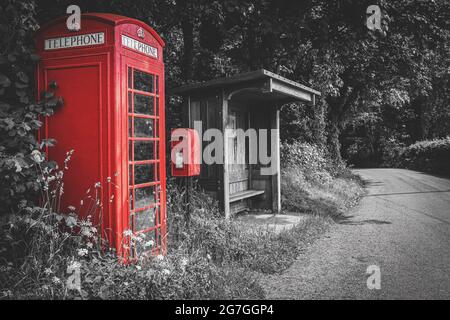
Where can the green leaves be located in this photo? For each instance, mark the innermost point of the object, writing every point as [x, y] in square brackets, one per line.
[4, 81]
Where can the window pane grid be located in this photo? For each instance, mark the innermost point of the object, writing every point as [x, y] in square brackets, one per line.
[144, 93]
[144, 166]
[143, 116]
[144, 162]
[149, 184]
[151, 206]
[143, 139]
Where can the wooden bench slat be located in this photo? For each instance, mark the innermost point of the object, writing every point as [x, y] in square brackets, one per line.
[245, 194]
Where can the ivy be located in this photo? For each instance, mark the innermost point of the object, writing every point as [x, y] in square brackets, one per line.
[20, 115]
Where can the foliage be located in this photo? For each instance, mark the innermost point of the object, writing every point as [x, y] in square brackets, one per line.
[313, 184]
[39, 246]
[20, 116]
[380, 92]
[212, 258]
[230, 242]
[49, 251]
[400, 75]
[428, 155]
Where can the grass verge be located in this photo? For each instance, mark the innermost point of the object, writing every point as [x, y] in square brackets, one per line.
[209, 257]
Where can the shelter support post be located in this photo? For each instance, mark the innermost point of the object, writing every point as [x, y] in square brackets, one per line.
[275, 151]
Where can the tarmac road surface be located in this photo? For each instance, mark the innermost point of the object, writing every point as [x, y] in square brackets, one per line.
[402, 227]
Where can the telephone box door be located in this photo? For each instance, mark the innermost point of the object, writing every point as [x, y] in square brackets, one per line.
[144, 144]
[78, 126]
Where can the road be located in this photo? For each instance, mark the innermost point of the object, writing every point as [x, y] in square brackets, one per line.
[401, 226]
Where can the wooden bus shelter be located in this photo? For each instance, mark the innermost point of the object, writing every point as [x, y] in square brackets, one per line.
[246, 101]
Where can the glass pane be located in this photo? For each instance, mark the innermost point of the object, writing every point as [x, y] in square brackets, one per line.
[143, 81]
[130, 175]
[130, 78]
[143, 128]
[145, 219]
[130, 200]
[130, 126]
[157, 106]
[143, 104]
[156, 177]
[144, 150]
[130, 102]
[157, 85]
[130, 150]
[145, 197]
[144, 173]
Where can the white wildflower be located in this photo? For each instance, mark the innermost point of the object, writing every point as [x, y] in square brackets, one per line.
[37, 156]
[48, 271]
[83, 252]
[149, 243]
[160, 257]
[56, 280]
[74, 265]
[184, 262]
[166, 272]
[128, 233]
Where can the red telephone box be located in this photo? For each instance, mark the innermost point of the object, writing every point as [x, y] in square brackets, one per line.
[186, 152]
[110, 74]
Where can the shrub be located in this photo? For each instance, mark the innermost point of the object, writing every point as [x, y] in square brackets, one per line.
[39, 246]
[391, 153]
[313, 184]
[48, 251]
[428, 155]
[19, 115]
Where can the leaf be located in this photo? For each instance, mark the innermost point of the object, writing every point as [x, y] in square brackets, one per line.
[23, 77]
[4, 81]
[71, 221]
[35, 57]
[53, 85]
[47, 94]
[18, 166]
[9, 122]
[12, 58]
[21, 85]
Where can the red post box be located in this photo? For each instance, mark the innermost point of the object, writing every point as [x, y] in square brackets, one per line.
[110, 74]
[186, 152]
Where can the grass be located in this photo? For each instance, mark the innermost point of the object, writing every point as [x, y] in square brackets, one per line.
[209, 257]
[326, 190]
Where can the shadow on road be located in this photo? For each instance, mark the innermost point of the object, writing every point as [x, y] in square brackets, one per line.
[348, 220]
[400, 193]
